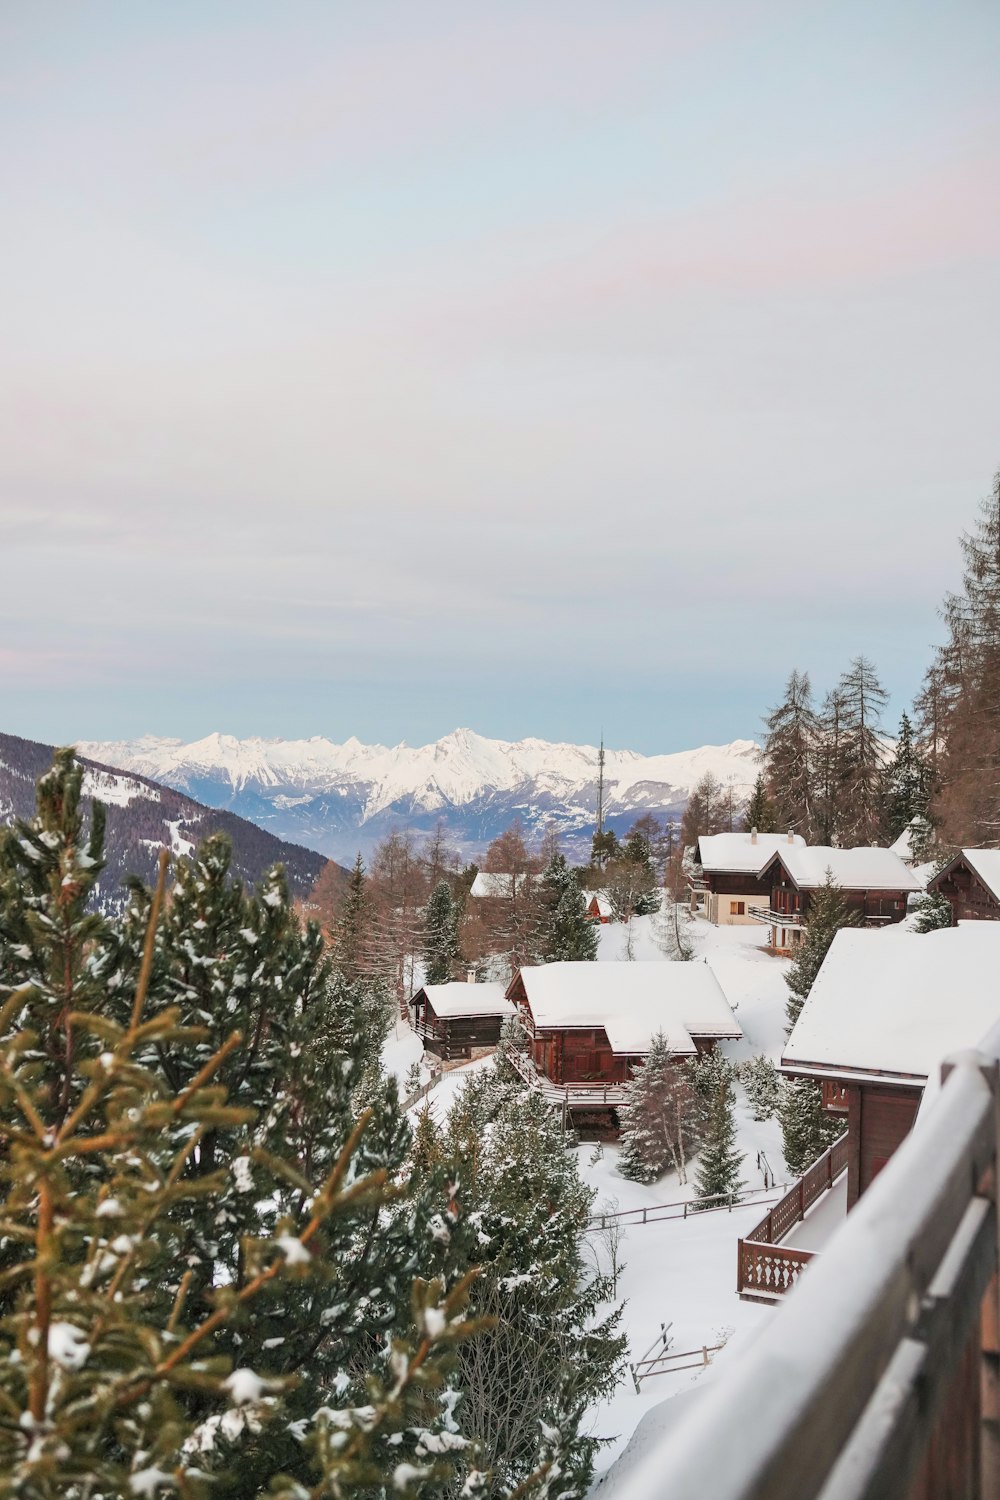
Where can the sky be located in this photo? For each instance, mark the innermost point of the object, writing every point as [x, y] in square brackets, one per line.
[373, 369]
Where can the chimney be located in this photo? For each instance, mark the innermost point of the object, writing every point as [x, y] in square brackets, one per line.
[791, 837]
[753, 835]
[470, 976]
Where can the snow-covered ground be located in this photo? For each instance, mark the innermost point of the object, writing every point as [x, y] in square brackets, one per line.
[679, 1271]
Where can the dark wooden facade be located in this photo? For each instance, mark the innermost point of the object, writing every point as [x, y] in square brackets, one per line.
[738, 883]
[969, 898]
[871, 908]
[451, 1037]
[879, 1117]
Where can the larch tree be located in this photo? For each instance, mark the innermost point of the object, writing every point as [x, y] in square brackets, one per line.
[862, 753]
[708, 810]
[789, 749]
[964, 707]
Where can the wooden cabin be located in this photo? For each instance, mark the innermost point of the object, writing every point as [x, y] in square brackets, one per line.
[883, 1011]
[598, 908]
[456, 1020]
[971, 885]
[875, 884]
[729, 878]
[589, 1024]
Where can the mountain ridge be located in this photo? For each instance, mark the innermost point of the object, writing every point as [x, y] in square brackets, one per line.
[340, 798]
[144, 815]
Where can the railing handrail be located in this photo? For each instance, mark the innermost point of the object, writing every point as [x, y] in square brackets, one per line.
[827, 1169]
[841, 1392]
[692, 1207]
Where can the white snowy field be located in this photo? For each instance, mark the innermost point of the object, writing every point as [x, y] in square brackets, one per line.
[679, 1271]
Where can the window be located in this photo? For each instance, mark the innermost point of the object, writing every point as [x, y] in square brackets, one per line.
[737, 908]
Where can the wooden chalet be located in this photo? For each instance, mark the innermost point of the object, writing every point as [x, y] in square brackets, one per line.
[589, 1024]
[729, 878]
[971, 885]
[883, 1010]
[598, 908]
[454, 1020]
[875, 884]
[496, 885]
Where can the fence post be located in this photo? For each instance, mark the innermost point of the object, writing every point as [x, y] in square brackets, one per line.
[644, 1216]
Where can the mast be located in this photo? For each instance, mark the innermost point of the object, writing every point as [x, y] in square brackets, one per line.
[599, 832]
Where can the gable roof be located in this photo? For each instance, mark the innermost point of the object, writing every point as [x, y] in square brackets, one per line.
[898, 1002]
[737, 851]
[984, 863]
[457, 999]
[495, 883]
[631, 1001]
[603, 904]
[863, 869]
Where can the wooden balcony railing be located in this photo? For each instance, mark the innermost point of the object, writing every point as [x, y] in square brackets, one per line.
[879, 1376]
[776, 918]
[763, 1270]
[572, 1095]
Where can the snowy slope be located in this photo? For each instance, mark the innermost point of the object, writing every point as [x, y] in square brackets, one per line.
[342, 797]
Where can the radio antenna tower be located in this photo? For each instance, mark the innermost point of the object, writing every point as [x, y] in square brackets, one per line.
[600, 803]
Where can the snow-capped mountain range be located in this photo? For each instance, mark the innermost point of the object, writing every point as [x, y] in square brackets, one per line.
[342, 798]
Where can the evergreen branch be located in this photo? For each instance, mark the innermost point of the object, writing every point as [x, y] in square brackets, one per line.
[148, 947]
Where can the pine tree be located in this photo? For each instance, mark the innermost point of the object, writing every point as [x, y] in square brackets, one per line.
[759, 1077]
[554, 1348]
[719, 1161]
[572, 937]
[604, 847]
[442, 953]
[789, 749]
[128, 1366]
[960, 706]
[806, 1129]
[905, 785]
[828, 913]
[861, 751]
[350, 936]
[659, 1117]
[760, 813]
[932, 912]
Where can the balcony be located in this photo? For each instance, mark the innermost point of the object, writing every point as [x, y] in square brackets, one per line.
[768, 1268]
[570, 1095]
[776, 918]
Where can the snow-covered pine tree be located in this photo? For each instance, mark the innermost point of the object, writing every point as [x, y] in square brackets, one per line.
[660, 1117]
[806, 1128]
[122, 1370]
[720, 1159]
[828, 913]
[760, 812]
[760, 1082]
[932, 911]
[442, 953]
[554, 1348]
[788, 757]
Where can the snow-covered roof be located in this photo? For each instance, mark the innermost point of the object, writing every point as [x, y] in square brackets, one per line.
[738, 851]
[863, 869]
[893, 1001]
[985, 863]
[490, 883]
[459, 999]
[632, 1001]
[603, 904]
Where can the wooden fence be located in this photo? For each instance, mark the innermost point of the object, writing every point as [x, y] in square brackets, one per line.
[879, 1376]
[690, 1208]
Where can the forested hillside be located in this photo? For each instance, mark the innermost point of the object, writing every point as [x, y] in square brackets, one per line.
[143, 817]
